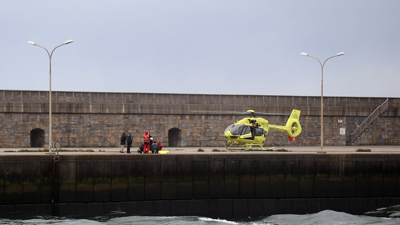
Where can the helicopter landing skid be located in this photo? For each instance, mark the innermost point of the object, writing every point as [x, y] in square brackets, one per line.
[230, 146]
[249, 146]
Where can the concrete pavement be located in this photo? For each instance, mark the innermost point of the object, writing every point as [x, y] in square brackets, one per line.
[214, 150]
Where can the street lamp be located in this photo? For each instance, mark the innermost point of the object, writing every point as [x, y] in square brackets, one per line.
[50, 55]
[322, 93]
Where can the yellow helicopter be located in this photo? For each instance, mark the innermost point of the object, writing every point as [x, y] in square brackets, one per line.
[252, 131]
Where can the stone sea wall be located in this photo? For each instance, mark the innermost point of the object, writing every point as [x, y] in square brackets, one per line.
[87, 119]
[227, 186]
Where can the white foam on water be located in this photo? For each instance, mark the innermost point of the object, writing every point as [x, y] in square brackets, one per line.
[216, 220]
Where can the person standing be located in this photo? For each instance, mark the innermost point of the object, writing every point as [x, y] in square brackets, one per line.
[128, 143]
[146, 142]
[123, 140]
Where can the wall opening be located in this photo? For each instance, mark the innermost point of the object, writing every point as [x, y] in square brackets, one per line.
[37, 138]
[174, 137]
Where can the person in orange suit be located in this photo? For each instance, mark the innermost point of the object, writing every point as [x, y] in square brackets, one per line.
[146, 142]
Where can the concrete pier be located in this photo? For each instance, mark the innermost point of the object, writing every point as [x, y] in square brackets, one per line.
[225, 185]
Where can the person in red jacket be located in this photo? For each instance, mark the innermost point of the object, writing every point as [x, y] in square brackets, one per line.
[159, 145]
[146, 142]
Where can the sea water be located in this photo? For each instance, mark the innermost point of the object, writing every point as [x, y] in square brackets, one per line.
[385, 216]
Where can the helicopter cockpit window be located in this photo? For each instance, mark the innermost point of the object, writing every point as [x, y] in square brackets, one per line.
[240, 129]
[246, 130]
[229, 127]
[235, 130]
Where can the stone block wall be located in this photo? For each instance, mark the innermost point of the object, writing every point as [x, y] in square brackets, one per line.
[103, 130]
[86, 119]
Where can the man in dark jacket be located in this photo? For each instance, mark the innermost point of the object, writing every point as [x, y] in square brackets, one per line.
[123, 140]
[154, 147]
[128, 143]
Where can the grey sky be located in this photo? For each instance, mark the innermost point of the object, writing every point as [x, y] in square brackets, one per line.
[203, 46]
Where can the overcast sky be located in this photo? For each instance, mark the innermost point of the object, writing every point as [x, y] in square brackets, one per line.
[203, 46]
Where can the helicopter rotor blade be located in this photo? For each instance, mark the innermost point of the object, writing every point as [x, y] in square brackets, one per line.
[242, 113]
[273, 114]
[222, 112]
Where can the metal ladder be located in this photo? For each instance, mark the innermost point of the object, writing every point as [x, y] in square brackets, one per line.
[370, 119]
[56, 183]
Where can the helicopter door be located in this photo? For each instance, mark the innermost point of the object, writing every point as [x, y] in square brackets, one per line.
[259, 132]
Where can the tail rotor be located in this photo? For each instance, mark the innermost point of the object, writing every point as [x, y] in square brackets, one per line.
[293, 125]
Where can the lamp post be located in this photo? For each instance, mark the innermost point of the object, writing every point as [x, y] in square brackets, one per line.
[322, 93]
[50, 55]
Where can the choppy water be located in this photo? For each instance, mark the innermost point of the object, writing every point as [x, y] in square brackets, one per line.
[385, 216]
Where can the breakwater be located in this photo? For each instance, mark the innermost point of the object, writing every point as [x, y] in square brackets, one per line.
[230, 186]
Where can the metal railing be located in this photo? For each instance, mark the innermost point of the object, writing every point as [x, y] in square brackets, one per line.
[370, 119]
